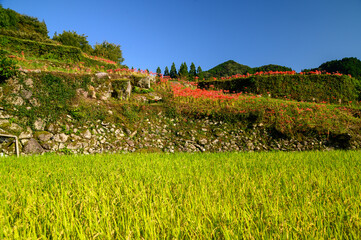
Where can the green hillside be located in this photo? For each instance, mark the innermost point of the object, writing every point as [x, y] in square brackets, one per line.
[22, 26]
[227, 69]
[346, 66]
[230, 68]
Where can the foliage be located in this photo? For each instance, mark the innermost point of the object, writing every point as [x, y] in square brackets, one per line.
[50, 51]
[346, 66]
[109, 51]
[8, 66]
[173, 71]
[179, 196]
[8, 18]
[166, 71]
[71, 38]
[231, 67]
[192, 71]
[158, 71]
[16, 25]
[226, 69]
[311, 88]
[183, 70]
[271, 67]
[200, 73]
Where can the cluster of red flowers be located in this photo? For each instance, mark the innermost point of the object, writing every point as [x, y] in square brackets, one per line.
[277, 73]
[126, 70]
[100, 59]
[180, 91]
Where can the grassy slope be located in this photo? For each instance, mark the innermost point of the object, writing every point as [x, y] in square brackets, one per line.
[229, 196]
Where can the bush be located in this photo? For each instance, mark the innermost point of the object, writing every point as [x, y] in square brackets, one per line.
[8, 66]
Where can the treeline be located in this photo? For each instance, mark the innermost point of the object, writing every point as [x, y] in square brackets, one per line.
[183, 73]
[21, 26]
[346, 66]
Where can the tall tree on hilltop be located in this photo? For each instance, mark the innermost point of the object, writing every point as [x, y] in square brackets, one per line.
[192, 70]
[166, 71]
[173, 71]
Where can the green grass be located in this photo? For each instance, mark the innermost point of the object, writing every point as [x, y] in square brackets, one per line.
[193, 196]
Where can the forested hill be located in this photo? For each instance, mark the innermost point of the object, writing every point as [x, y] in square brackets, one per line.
[346, 66]
[231, 67]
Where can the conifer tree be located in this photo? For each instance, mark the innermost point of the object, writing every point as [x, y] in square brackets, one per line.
[166, 71]
[159, 71]
[192, 70]
[173, 71]
[200, 74]
[183, 70]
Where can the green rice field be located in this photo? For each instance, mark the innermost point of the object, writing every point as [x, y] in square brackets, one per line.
[274, 195]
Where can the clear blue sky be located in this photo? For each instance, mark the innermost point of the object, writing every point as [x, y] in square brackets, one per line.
[298, 34]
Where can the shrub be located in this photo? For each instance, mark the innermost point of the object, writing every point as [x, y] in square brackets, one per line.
[8, 66]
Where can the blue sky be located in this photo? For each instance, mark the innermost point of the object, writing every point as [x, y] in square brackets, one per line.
[298, 34]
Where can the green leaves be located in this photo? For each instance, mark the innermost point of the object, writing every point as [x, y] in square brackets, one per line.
[8, 66]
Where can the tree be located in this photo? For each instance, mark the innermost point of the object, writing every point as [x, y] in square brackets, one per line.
[71, 38]
[183, 70]
[200, 74]
[159, 71]
[192, 70]
[166, 71]
[173, 71]
[109, 51]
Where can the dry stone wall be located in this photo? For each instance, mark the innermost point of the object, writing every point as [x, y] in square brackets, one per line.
[146, 134]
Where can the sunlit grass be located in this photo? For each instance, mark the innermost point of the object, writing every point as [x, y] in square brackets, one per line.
[151, 196]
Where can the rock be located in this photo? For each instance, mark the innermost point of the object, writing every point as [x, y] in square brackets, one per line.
[17, 100]
[130, 143]
[121, 88]
[119, 134]
[51, 128]
[105, 96]
[15, 127]
[24, 141]
[203, 141]
[34, 102]
[92, 92]
[144, 83]
[33, 147]
[87, 134]
[39, 125]
[82, 92]
[26, 94]
[101, 75]
[29, 82]
[61, 138]
[140, 98]
[155, 97]
[4, 115]
[45, 136]
[74, 146]
[27, 134]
